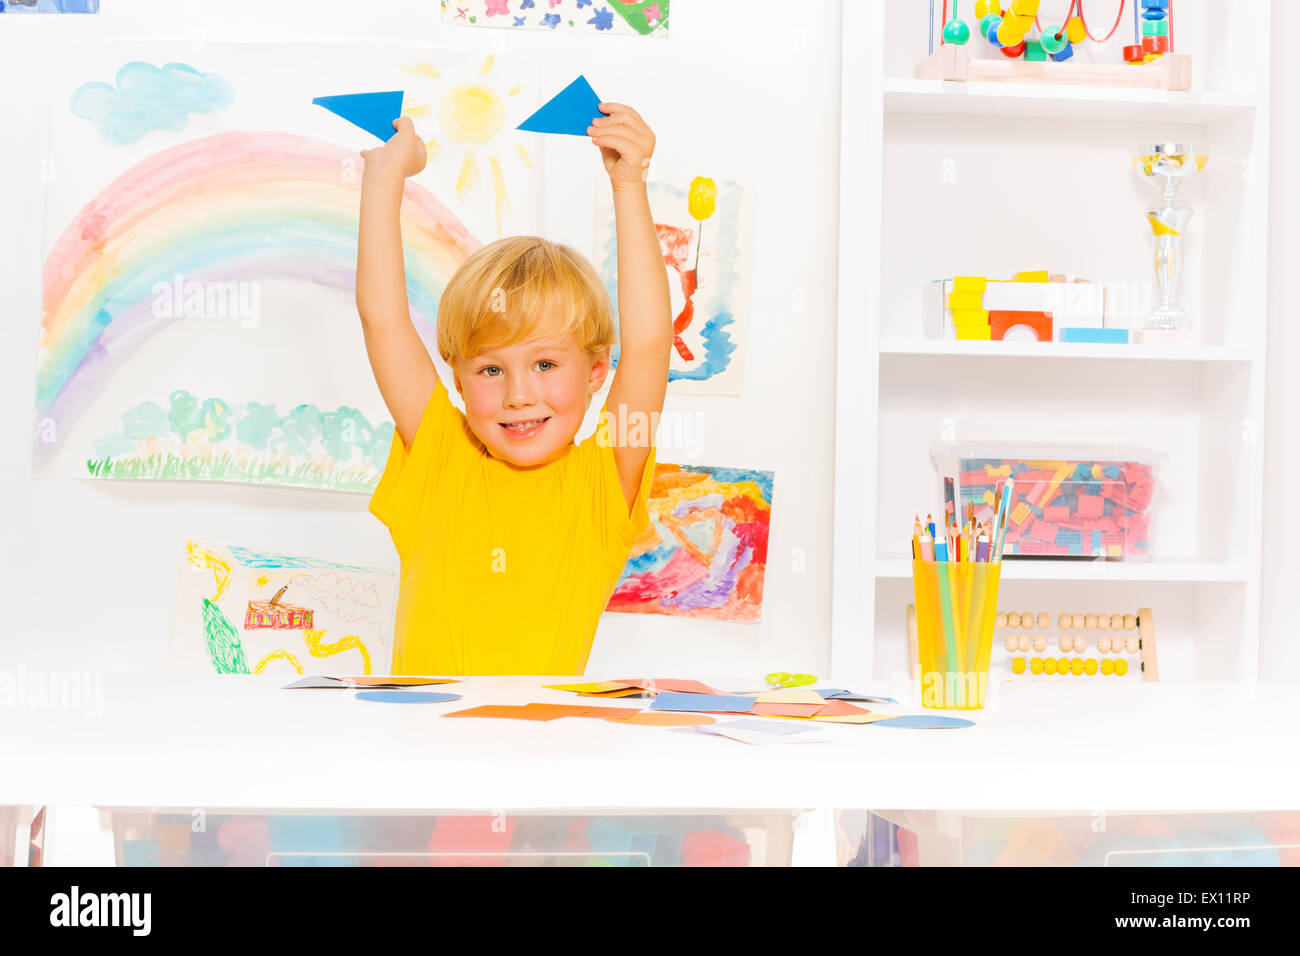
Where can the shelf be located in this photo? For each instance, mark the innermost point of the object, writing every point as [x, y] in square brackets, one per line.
[947, 98]
[899, 566]
[955, 348]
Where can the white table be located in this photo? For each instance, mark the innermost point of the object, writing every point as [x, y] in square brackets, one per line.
[233, 742]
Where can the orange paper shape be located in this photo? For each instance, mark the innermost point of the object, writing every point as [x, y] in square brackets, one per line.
[664, 718]
[500, 710]
[786, 710]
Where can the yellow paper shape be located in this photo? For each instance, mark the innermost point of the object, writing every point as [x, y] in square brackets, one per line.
[790, 695]
[595, 687]
[856, 718]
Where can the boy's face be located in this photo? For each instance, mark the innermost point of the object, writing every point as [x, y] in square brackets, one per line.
[547, 380]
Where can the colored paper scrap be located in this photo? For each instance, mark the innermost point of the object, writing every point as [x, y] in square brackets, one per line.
[513, 712]
[789, 695]
[926, 722]
[665, 719]
[762, 732]
[678, 686]
[569, 111]
[373, 112]
[321, 681]
[869, 718]
[787, 710]
[594, 687]
[405, 697]
[835, 693]
[705, 703]
[839, 708]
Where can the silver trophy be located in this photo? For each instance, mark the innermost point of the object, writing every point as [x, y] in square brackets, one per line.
[1168, 164]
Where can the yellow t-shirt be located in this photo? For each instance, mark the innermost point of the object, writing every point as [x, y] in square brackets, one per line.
[505, 570]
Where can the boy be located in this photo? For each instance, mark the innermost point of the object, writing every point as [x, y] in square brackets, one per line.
[512, 537]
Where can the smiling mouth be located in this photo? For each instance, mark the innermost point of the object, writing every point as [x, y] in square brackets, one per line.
[524, 427]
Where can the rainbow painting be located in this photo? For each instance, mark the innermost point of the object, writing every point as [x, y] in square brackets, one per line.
[205, 216]
[705, 552]
[630, 18]
[199, 318]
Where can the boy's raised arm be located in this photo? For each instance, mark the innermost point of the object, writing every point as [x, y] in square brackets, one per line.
[644, 318]
[403, 369]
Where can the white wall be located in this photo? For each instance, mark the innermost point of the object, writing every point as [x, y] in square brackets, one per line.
[1279, 649]
[88, 569]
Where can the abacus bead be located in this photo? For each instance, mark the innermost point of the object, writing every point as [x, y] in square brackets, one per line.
[1075, 30]
[1076, 666]
[1011, 52]
[1049, 665]
[1162, 28]
[1063, 665]
[1130, 621]
[1024, 642]
[1051, 42]
[984, 7]
[1076, 622]
[1162, 44]
[1149, 28]
[1103, 622]
[1117, 622]
[1040, 643]
[956, 32]
[989, 28]
[1018, 665]
[1080, 644]
[1012, 642]
[1063, 622]
[1036, 665]
[1107, 666]
[1090, 621]
[1067, 643]
[1026, 619]
[1132, 644]
[1148, 45]
[1090, 666]
[1013, 619]
[1133, 53]
[1000, 619]
[1044, 621]
[1034, 51]
[1121, 667]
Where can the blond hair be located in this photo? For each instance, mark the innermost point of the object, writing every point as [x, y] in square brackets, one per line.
[519, 289]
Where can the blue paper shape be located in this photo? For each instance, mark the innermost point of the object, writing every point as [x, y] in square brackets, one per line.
[373, 112]
[569, 111]
[405, 696]
[923, 722]
[838, 693]
[672, 700]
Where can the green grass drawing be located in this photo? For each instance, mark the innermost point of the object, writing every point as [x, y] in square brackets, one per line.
[225, 468]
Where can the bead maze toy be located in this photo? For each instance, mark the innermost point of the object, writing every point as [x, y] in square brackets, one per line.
[1081, 647]
[1149, 61]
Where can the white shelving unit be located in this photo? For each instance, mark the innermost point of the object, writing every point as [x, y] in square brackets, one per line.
[947, 178]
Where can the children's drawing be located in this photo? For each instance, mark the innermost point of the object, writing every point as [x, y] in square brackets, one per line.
[610, 17]
[243, 612]
[705, 552]
[703, 228]
[199, 316]
[49, 6]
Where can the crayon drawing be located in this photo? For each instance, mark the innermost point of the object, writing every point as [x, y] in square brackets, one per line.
[703, 227]
[607, 17]
[705, 552]
[244, 612]
[199, 320]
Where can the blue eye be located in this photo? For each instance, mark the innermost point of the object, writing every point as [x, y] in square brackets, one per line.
[546, 362]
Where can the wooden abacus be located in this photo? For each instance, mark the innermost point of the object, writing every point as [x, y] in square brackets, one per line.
[1121, 646]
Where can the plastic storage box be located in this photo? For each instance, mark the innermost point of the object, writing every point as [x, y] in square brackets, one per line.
[1056, 838]
[1070, 500]
[158, 837]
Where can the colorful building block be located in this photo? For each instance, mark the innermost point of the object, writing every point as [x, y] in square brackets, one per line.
[1002, 321]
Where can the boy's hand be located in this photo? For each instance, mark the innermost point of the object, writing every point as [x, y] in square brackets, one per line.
[625, 142]
[404, 150]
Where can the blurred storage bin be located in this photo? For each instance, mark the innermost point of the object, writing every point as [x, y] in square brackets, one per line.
[1070, 500]
[160, 837]
[1026, 838]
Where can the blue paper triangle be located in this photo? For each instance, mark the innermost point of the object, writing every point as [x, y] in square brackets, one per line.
[569, 111]
[923, 722]
[405, 697]
[373, 112]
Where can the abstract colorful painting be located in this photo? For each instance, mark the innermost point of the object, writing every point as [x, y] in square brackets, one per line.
[703, 227]
[49, 6]
[240, 611]
[199, 316]
[610, 17]
[705, 552]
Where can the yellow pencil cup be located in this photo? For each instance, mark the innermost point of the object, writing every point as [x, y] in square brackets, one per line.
[956, 604]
